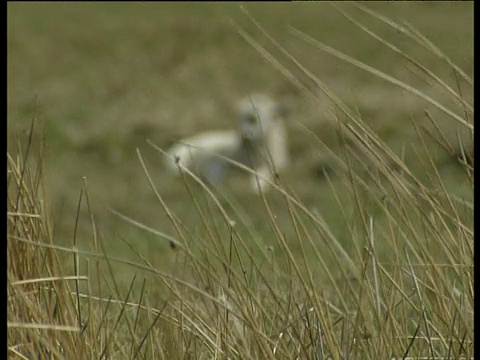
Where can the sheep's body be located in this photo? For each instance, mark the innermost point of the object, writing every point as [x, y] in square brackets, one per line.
[259, 143]
[198, 154]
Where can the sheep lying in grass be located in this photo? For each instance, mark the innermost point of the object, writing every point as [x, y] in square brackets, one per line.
[259, 143]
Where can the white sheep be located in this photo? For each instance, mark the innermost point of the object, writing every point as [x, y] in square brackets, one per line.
[260, 142]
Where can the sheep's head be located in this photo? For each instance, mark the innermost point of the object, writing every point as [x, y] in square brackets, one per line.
[257, 113]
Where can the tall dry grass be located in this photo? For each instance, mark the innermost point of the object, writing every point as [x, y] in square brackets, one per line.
[402, 289]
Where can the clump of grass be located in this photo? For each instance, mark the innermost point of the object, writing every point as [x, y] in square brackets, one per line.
[42, 319]
[52, 311]
[402, 287]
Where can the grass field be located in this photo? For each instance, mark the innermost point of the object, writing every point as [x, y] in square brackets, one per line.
[103, 80]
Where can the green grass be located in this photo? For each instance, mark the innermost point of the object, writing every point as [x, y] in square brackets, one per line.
[368, 238]
[102, 77]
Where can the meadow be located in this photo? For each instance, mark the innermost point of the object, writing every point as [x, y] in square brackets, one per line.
[363, 250]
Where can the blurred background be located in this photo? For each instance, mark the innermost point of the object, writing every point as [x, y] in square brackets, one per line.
[100, 78]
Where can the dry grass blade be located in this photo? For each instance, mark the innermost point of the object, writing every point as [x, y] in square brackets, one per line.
[415, 35]
[402, 53]
[382, 75]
